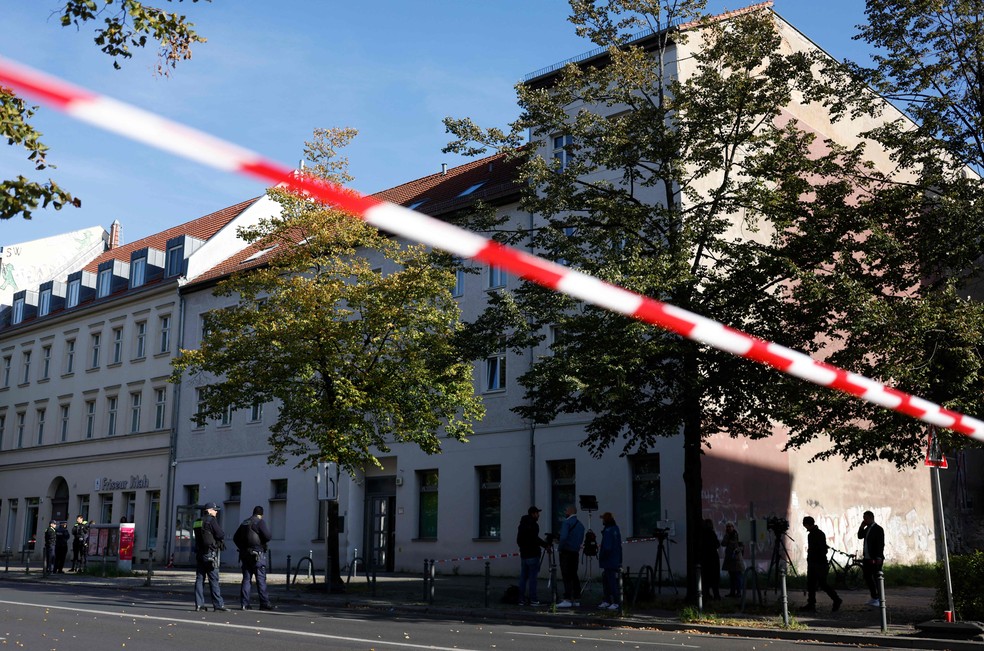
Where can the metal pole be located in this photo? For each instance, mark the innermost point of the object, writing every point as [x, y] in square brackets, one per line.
[288, 572]
[784, 597]
[700, 591]
[426, 577]
[553, 584]
[433, 573]
[619, 591]
[946, 551]
[881, 594]
[488, 583]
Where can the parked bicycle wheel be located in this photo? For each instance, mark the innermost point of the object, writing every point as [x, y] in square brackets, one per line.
[854, 577]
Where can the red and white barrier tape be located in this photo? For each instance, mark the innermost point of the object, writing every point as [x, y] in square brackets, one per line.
[164, 134]
[475, 558]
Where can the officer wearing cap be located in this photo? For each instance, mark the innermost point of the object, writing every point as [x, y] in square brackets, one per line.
[251, 539]
[209, 541]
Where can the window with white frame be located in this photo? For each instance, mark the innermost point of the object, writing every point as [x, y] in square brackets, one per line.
[63, 428]
[40, 425]
[69, 356]
[74, 290]
[95, 342]
[90, 418]
[44, 302]
[135, 399]
[165, 334]
[199, 407]
[18, 314]
[7, 360]
[495, 277]
[21, 423]
[104, 283]
[160, 410]
[45, 362]
[256, 412]
[138, 272]
[26, 377]
[112, 406]
[175, 254]
[226, 420]
[118, 345]
[495, 370]
[561, 150]
[459, 280]
[140, 343]
[3, 425]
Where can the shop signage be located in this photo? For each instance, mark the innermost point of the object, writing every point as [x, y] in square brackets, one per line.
[109, 484]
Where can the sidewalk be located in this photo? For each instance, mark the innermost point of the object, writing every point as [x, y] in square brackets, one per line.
[466, 596]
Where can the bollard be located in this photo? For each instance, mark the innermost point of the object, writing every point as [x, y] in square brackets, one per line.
[426, 577]
[372, 586]
[488, 583]
[6, 559]
[881, 595]
[150, 566]
[553, 587]
[700, 592]
[311, 564]
[433, 575]
[783, 595]
[619, 592]
[287, 585]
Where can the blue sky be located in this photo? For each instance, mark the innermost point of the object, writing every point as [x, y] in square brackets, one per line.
[272, 71]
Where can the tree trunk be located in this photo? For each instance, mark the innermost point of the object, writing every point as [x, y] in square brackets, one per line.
[692, 482]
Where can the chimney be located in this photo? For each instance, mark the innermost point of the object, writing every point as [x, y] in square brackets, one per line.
[115, 235]
[444, 169]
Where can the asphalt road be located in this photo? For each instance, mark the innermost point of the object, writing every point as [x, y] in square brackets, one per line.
[53, 617]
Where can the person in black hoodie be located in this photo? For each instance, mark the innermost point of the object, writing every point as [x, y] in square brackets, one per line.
[530, 543]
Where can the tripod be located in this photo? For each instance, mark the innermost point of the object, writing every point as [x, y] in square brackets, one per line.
[779, 555]
[552, 577]
[662, 556]
[586, 584]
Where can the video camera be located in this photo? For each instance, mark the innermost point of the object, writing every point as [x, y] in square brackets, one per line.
[550, 538]
[777, 525]
[661, 534]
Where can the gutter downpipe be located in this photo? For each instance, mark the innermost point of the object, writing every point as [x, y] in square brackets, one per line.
[173, 445]
[532, 425]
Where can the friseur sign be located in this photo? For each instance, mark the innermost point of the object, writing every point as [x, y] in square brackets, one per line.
[135, 481]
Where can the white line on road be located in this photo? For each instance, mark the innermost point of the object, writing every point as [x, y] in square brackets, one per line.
[266, 629]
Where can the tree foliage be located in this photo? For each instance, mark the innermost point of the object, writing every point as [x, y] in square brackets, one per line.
[347, 330]
[700, 191]
[125, 25]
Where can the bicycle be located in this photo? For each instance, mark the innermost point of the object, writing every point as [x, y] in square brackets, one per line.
[847, 574]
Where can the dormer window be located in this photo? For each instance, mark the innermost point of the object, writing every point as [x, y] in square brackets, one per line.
[73, 292]
[18, 310]
[138, 272]
[105, 283]
[175, 256]
[44, 302]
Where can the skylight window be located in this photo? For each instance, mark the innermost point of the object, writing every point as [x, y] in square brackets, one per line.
[417, 204]
[259, 254]
[471, 189]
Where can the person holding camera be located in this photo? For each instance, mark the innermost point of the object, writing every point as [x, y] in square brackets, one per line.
[569, 545]
[251, 539]
[209, 541]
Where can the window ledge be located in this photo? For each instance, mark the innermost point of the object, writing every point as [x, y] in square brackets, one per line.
[423, 540]
[488, 539]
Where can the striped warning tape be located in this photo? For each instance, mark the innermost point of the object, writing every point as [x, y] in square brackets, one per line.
[170, 136]
[475, 558]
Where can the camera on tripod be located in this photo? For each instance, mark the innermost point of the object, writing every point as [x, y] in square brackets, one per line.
[550, 538]
[661, 534]
[777, 525]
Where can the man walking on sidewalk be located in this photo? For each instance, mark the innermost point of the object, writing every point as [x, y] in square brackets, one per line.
[873, 555]
[816, 568]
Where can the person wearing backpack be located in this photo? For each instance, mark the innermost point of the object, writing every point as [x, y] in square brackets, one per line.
[251, 539]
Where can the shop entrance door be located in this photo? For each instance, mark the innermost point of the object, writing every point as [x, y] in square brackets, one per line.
[380, 523]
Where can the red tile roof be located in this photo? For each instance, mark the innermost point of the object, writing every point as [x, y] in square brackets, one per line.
[202, 228]
[442, 192]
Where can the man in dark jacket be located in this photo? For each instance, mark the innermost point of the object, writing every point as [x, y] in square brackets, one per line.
[251, 539]
[50, 534]
[80, 544]
[530, 543]
[816, 567]
[209, 541]
[61, 546]
[874, 553]
[569, 542]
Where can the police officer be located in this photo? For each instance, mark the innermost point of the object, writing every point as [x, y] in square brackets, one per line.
[251, 539]
[80, 544]
[209, 541]
[49, 548]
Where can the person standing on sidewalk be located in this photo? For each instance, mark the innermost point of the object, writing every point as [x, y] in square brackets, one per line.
[50, 534]
[530, 544]
[610, 562]
[873, 554]
[209, 539]
[80, 543]
[251, 539]
[816, 568]
[569, 542]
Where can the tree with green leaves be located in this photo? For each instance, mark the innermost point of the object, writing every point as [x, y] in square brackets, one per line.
[682, 177]
[125, 25]
[347, 330]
